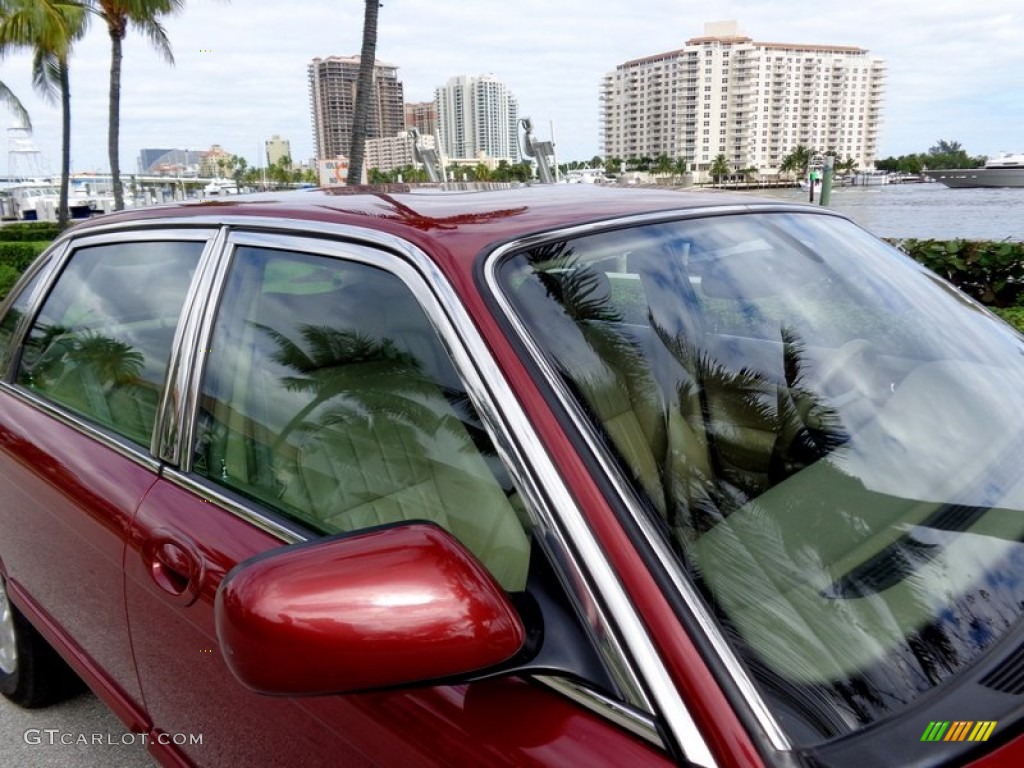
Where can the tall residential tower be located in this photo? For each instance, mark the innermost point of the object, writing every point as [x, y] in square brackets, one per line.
[477, 115]
[332, 98]
[754, 102]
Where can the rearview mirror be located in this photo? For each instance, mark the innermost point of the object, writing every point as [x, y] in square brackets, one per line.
[387, 607]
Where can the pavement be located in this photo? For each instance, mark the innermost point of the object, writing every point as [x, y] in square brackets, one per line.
[78, 733]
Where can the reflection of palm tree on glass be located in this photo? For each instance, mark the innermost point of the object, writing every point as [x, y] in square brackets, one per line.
[113, 361]
[362, 378]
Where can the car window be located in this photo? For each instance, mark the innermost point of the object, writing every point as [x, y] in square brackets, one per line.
[100, 345]
[328, 396]
[827, 437]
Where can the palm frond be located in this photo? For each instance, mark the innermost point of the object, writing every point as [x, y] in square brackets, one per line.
[14, 104]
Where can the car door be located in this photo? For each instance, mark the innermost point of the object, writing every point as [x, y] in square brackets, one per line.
[77, 409]
[326, 402]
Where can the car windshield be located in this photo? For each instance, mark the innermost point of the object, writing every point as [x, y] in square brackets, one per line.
[827, 435]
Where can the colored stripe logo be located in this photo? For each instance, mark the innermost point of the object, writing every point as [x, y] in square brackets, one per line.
[958, 730]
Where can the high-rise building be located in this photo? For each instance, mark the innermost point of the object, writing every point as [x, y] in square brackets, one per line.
[277, 150]
[332, 99]
[753, 102]
[422, 116]
[477, 116]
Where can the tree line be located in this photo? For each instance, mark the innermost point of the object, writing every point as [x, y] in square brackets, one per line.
[944, 154]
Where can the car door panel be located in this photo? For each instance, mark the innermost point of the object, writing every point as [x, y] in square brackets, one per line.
[189, 689]
[65, 511]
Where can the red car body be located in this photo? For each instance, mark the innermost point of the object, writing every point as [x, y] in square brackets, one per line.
[124, 569]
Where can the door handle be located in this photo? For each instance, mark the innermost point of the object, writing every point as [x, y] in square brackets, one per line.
[175, 566]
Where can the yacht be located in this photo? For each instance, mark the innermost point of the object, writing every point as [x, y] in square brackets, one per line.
[1005, 170]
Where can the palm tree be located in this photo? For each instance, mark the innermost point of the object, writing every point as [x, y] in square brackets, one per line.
[797, 161]
[50, 28]
[663, 165]
[118, 15]
[679, 168]
[720, 167]
[364, 92]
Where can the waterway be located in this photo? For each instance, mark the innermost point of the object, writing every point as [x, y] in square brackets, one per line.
[926, 211]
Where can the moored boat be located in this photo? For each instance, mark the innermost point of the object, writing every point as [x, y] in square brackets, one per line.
[1005, 170]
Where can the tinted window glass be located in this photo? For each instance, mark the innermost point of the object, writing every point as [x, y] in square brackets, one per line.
[828, 436]
[328, 396]
[101, 342]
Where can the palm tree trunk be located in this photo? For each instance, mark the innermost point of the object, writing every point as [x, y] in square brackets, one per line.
[364, 93]
[114, 120]
[65, 149]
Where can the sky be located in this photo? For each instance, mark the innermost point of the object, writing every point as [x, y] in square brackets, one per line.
[955, 68]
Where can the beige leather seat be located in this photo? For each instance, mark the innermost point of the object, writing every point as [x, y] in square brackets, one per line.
[360, 469]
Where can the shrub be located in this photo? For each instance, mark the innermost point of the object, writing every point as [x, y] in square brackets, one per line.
[1013, 315]
[29, 231]
[20, 254]
[992, 272]
[8, 277]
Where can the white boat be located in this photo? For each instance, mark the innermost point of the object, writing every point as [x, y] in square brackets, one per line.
[220, 188]
[1005, 170]
[39, 200]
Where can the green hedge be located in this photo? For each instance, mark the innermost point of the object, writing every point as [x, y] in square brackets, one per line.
[8, 277]
[20, 254]
[29, 231]
[992, 272]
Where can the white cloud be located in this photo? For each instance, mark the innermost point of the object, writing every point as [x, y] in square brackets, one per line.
[954, 67]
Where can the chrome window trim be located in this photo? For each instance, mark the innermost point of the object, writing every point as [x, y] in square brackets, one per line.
[247, 511]
[669, 564]
[638, 723]
[121, 445]
[515, 441]
[168, 434]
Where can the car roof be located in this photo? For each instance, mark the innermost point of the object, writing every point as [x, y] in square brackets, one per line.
[443, 221]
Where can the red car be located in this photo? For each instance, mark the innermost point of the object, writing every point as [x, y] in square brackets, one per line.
[543, 476]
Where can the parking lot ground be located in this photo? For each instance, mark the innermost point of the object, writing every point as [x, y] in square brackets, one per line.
[79, 733]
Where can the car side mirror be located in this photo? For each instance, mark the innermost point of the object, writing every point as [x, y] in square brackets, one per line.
[387, 607]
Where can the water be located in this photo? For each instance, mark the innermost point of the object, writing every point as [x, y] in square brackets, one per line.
[926, 211]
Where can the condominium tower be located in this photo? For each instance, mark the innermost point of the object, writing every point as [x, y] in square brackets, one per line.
[753, 102]
[477, 116]
[332, 99]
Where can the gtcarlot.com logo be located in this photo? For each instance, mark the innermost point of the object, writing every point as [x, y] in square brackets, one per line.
[958, 730]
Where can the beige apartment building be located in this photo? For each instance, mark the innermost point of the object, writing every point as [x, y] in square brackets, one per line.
[393, 152]
[277, 150]
[724, 93]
